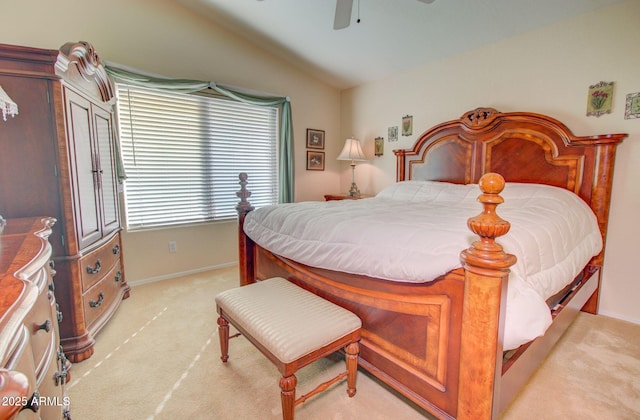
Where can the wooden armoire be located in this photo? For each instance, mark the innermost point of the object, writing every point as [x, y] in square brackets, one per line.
[57, 159]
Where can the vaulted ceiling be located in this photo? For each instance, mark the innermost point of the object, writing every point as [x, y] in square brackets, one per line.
[391, 35]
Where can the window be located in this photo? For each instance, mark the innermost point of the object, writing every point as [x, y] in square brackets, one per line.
[182, 154]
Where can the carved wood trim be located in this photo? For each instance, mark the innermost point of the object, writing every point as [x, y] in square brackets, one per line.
[80, 63]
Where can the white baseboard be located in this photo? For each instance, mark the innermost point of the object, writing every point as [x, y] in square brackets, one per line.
[180, 274]
[618, 316]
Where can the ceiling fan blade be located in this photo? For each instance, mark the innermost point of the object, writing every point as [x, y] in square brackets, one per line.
[343, 14]
[426, 1]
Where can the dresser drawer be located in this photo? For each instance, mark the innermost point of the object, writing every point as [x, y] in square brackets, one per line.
[21, 360]
[102, 295]
[94, 265]
[41, 322]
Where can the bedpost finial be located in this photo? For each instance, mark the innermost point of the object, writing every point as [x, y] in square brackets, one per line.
[243, 206]
[491, 183]
[488, 225]
[487, 253]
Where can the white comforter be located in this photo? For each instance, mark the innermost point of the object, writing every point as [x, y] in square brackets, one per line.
[413, 231]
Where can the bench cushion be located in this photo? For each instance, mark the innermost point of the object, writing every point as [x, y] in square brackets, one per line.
[286, 319]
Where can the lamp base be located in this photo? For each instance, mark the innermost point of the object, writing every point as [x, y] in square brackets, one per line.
[354, 191]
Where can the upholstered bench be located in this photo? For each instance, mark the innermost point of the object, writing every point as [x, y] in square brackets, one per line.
[293, 328]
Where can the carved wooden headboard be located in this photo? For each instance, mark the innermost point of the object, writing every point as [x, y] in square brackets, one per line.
[520, 146]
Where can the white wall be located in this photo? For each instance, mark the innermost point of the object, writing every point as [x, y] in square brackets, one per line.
[164, 37]
[547, 71]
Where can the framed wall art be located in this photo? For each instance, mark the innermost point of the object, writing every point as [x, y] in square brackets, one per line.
[600, 99]
[407, 125]
[315, 161]
[378, 148]
[632, 106]
[315, 139]
[393, 133]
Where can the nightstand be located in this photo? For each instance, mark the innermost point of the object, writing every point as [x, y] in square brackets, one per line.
[330, 197]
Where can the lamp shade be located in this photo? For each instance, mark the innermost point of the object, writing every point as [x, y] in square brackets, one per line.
[352, 150]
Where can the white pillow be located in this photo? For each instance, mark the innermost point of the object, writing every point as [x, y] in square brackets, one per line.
[430, 191]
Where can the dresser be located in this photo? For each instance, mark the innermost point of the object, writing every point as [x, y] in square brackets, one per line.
[58, 159]
[33, 367]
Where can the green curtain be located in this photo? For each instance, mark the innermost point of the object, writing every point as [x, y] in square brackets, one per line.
[123, 74]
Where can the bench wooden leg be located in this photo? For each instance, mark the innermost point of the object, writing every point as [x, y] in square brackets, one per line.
[288, 395]
[352, 351]
[223, 332]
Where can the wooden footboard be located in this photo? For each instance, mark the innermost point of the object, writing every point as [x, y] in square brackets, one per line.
[411, 332]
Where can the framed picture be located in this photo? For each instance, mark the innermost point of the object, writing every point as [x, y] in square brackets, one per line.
[393, 133]
[315, 161]
[600, 99]
[407, 125]
[379, 146]
[632, 107]
[315, 139]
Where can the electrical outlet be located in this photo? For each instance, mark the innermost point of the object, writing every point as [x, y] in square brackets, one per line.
[173, 247]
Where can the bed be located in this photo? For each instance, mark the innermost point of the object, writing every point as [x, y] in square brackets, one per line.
[440, 341]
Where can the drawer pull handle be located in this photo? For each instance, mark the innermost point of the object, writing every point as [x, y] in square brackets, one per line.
[61, 377]
[96, 269]
[52, 268]
[46, 325]
[97, 303]
[116, 249]
[118, 276]
[33, 403]
[64, 365]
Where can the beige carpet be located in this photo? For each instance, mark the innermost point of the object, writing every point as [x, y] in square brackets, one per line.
[158, 358]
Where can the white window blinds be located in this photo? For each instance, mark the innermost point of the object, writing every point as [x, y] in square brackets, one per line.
[183, 152]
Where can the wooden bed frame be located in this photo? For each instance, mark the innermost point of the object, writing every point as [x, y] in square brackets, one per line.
[439, 343]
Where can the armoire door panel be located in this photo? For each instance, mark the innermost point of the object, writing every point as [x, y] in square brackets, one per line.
[86, 176]
[108, 188]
